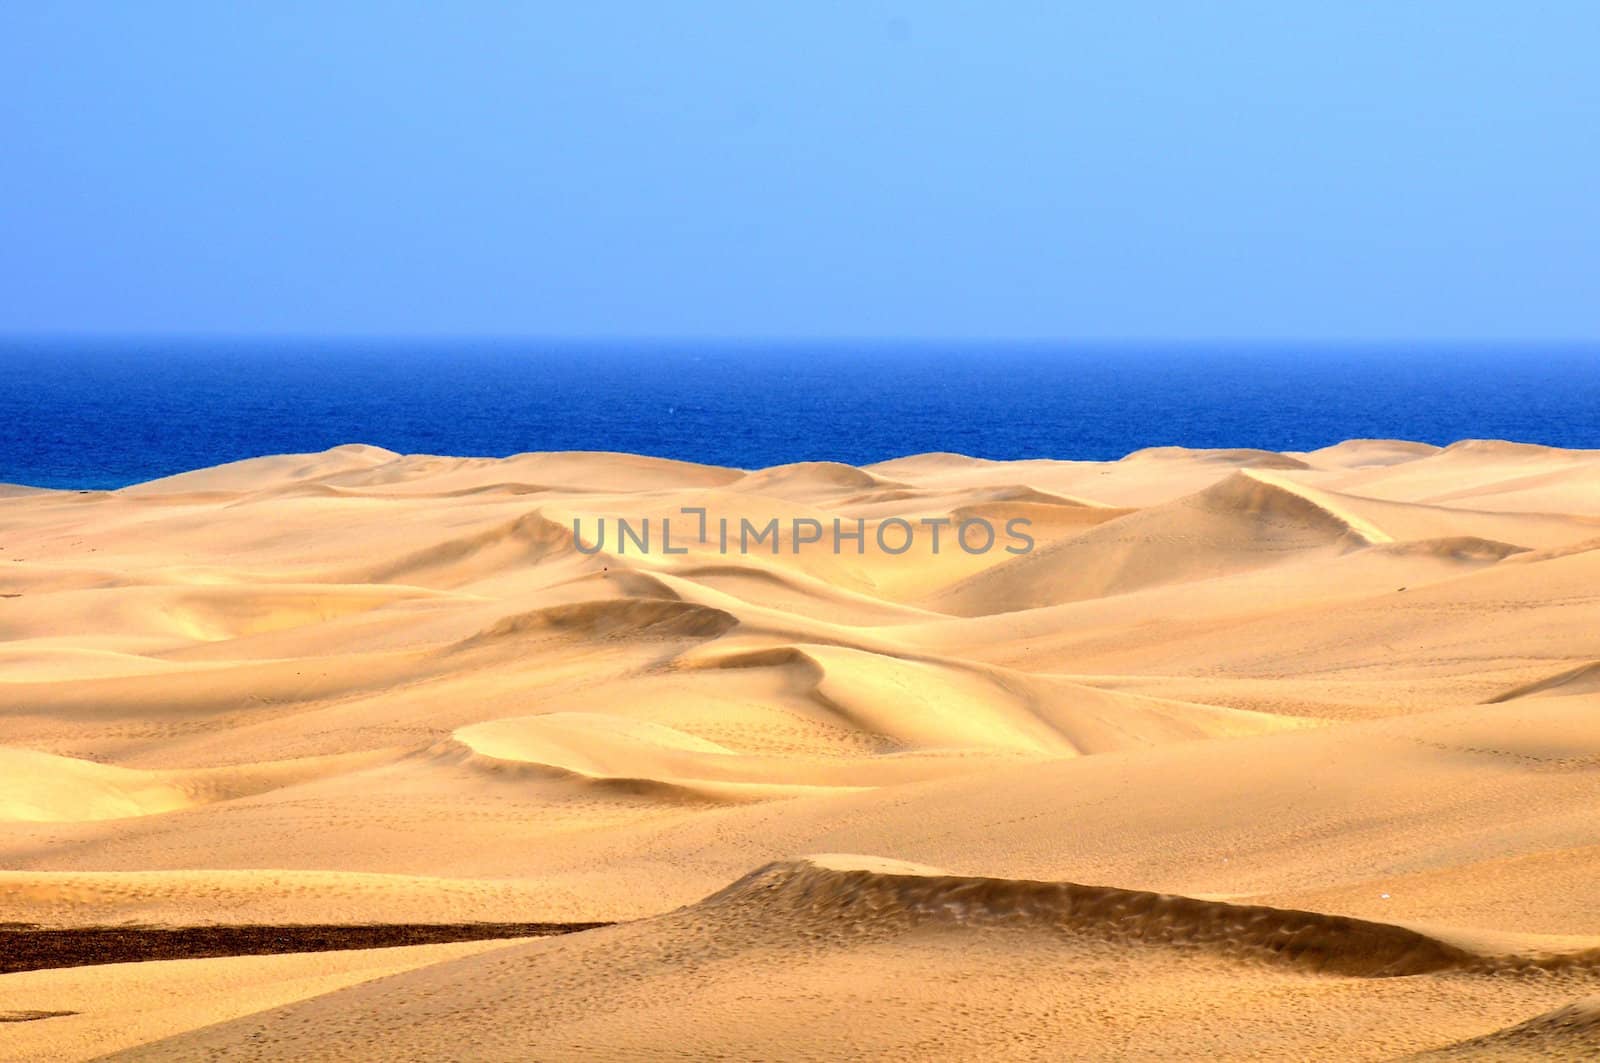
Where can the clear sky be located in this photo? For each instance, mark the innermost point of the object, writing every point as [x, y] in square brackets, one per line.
[934, 169]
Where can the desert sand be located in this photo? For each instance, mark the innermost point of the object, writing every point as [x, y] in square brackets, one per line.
[1252, 756]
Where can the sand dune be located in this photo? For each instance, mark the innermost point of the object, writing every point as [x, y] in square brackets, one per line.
[811, 478]
[1584, 679]
[1568, 1032]
[1251, 755]
[1366, 453]
[1042, 968]
[40, 787]
[1245, 521]
[1243, 458]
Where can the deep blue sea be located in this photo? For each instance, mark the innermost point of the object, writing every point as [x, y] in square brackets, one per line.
[103, 413]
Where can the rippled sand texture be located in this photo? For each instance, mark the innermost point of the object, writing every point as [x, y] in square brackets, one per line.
[1254, 756]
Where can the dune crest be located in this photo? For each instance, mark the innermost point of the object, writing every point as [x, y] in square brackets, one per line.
[1584, 679]
[837, 890]
[1569, 1032]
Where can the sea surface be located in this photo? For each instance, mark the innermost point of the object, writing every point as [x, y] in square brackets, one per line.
[107, 413]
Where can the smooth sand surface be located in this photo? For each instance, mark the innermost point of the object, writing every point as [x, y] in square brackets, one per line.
[1252, 756]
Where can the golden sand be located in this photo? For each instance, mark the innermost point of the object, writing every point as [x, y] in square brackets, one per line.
[1251, 756]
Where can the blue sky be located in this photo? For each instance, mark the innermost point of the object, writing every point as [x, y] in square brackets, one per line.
[1172, 170]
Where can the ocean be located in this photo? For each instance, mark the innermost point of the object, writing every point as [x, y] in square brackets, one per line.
[107, 413]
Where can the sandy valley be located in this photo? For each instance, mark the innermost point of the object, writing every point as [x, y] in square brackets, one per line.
[1250, 756]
